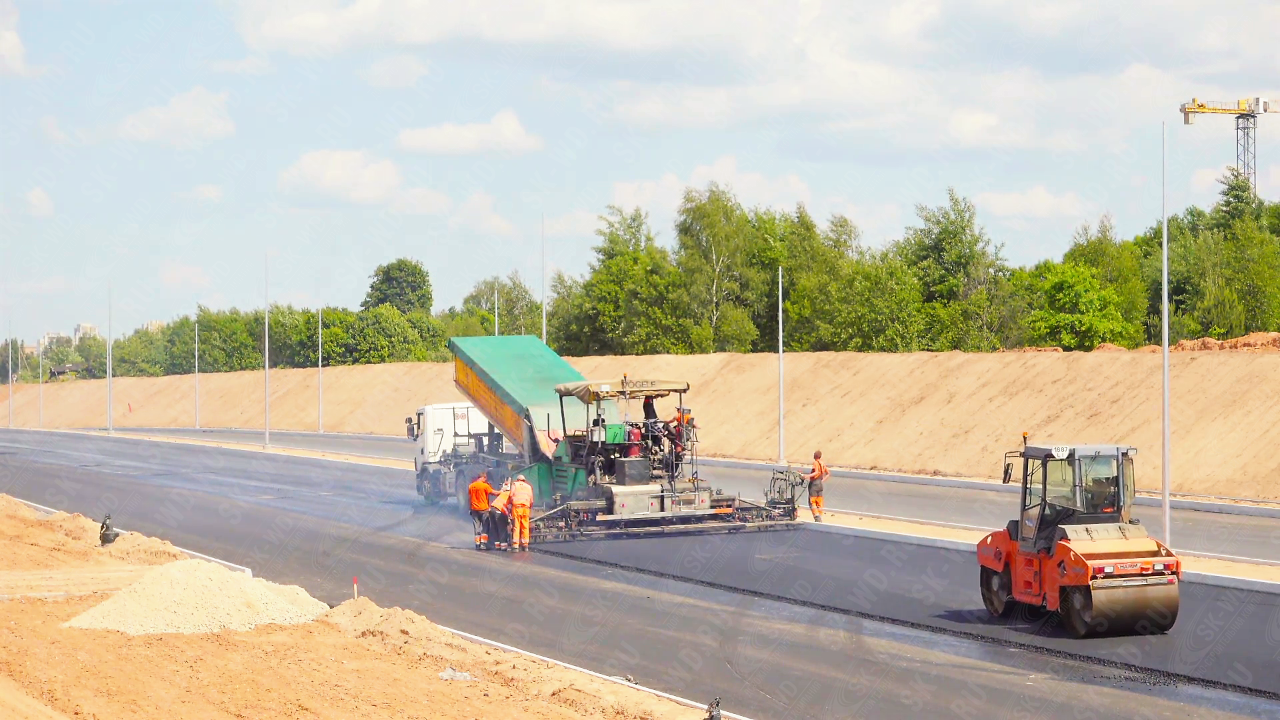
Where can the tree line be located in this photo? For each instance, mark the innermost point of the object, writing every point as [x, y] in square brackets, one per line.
[944, 285]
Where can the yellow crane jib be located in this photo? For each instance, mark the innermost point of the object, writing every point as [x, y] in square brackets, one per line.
[1244, 106]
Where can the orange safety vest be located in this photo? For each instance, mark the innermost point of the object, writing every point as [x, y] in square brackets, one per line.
[503, 501]
[521, 494]
[820, 471]
[480, 491]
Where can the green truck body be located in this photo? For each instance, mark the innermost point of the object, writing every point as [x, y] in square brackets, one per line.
[512, 380]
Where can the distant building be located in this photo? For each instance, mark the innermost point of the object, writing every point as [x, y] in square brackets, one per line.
[49, 339]
[26, 349]
[154, 325]
[84, 330]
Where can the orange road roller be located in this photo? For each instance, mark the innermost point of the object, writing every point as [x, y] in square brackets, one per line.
[1075, 550]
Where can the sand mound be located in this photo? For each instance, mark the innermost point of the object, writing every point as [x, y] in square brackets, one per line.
[34, 541]
[362, 618]
[194, 596]
[1031, 350]
[1108, 347]
[1253, 342]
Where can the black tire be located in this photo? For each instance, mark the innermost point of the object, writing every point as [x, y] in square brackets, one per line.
[1076, 609]
[997, 592]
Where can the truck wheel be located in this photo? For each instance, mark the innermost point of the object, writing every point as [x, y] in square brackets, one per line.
[997, 592]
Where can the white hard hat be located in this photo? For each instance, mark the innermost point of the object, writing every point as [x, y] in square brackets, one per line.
[521, 477]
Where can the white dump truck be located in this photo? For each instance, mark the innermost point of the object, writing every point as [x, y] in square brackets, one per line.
[455, 444]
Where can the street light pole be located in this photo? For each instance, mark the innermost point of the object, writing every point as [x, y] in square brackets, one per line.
[9, 344]
[40, 352]
[266, 350]
[544, 278]
[197, 324]
[320, 369]
[495, 308]
[110, 421]
[1164, 335]
[782, 445]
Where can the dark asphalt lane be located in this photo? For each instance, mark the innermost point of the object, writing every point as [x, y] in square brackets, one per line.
[318, 523]
[1226, 636]
[1232, 535]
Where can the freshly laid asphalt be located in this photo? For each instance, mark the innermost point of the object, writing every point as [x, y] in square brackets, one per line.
[317, 524]
[1231, 535]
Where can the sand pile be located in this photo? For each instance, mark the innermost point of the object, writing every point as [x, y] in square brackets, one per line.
[1108, 347]
[1253, 342]
[1031, 350]
[195, 596]
[34, 541]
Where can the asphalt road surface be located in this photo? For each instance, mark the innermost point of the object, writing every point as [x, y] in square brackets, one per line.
[318, 523]
[1231, 535]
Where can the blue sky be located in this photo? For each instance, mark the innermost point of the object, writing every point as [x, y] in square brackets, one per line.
[168, 148]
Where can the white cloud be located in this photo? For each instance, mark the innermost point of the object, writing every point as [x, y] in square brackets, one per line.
[48, 285]
[477, 214]
[13, 56]
[1269, 183]
[53, 133]
[1034, 203]
[399, 71]
[355, 176]
[250, 65]
[421, 201]
[177, 275]
[39, 204]
[189, 119]
[662, 196]
[204, 193]
[577, 223]
[1205, 179]
[503, 133]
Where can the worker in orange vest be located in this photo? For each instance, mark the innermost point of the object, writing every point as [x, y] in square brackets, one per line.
[816, 478]
[479, 492]
[500, 517]
[521, 502]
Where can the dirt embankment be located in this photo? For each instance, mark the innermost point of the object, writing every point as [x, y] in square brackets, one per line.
[166, 646]
[943, 413]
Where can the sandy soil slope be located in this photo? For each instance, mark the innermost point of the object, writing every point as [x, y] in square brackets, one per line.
[944, 413]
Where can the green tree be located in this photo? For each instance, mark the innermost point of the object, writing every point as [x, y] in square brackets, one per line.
[630, 303]
[403, 284]
[959, 272]
[713, 237]
[1117, 265]
[1075, 312]
[519, 312]
[381, 335]
[140, 354]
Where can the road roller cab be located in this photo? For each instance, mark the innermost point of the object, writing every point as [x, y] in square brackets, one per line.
[1074, 548]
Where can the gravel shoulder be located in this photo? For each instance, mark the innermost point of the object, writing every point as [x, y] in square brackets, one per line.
[194, 640]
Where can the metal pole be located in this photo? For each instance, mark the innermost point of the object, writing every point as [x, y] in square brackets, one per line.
[266, 351]
[9, 343]
[110, 422]
[40, 351]
[197, 324]
[1164, 335]
[782, 446]
[544, 278]
[320, 369]
[495, 307]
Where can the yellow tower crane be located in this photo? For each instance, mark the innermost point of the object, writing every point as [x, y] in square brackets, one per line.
[1246, 111]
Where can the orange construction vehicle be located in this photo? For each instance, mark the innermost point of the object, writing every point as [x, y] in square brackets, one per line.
[1075, 549]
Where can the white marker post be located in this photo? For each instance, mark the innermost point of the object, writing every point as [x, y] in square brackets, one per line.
[1164, 335]
[782, 445]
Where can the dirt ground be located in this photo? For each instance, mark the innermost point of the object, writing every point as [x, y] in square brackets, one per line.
[355, 661]
[933, 413]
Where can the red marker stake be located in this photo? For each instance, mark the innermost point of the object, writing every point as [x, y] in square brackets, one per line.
[355, 588]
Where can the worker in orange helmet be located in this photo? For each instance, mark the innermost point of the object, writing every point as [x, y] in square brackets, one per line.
[479, 491]
[500, 517]
[521, 502]
[816, 478]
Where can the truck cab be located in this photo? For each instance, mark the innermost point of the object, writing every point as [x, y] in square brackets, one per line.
[454, 444]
